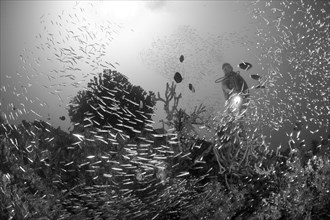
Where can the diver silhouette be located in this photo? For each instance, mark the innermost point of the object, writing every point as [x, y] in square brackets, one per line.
[231, 129]
[235, 89]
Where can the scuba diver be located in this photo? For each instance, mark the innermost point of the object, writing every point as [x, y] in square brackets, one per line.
[235, 89]
[230, 132]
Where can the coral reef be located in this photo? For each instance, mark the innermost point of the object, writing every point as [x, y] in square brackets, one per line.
[100, 172]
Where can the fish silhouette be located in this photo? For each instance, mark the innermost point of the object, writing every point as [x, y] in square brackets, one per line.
[260, 87]
[177, 77]
[191, 87]
[255, 77]
[181, 58]
[245, 66]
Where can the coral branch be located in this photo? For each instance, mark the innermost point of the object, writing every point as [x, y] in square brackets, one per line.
[170, 95]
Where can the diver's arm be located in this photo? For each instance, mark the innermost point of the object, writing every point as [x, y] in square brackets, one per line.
[225, 94]
[226, 90]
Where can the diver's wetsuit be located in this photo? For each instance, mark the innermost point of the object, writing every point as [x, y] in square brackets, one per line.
[235, 81]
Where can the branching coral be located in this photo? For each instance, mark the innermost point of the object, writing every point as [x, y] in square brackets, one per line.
[262, 171]
[170, 95]
[235, 154]
[178, 118]
[196, 114]
[173, 113]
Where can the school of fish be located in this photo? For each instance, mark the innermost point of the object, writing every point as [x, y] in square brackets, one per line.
[288, 33]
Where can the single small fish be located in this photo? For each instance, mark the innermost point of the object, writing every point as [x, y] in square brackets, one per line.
[183, 174]
[141, 105]
[177, 77]
[245, 66]
[191, 87]
[181, 58]
[62, 118]
[298, 126]
[260, 87]
[255, 76]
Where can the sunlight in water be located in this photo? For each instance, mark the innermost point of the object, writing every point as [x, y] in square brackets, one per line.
[121, 10]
